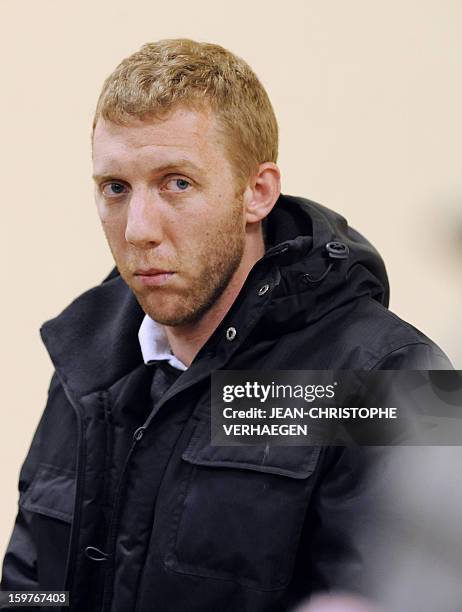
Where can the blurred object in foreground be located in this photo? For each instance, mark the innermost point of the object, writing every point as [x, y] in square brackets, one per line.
[338, 603]
[421, 565]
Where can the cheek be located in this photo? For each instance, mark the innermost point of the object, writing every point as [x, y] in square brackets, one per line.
[110, 214]
[212, 239]
[113, 226]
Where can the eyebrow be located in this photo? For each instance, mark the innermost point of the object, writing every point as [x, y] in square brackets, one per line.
[171, 165]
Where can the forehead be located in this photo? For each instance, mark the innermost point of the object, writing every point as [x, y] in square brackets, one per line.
[192, 134]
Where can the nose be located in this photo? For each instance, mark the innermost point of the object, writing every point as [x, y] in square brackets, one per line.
[144, 220]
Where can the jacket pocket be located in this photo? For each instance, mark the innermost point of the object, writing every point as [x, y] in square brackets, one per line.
[240, 512]
[47, 506]
[51, 493]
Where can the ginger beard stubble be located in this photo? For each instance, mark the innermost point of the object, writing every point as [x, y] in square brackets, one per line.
[201, 275]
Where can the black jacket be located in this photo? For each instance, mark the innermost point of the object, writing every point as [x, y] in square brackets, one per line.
[131, 508]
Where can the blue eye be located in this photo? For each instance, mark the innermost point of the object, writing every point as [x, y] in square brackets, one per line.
[178, 184]
[113, 189]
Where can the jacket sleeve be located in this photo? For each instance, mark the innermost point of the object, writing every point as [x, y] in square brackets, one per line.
[20, 561]
[354, 507]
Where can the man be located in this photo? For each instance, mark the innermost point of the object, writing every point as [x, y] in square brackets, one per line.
[123, 500]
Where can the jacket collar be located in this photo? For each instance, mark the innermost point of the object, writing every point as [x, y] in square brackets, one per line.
[94, 341]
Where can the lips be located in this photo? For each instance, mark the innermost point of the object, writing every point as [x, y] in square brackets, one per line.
[151, 272]
[154, 277]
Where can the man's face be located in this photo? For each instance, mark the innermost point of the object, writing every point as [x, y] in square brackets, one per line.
[168, 202]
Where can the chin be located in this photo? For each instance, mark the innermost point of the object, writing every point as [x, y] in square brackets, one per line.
[175, 319]
[175, 316]
[182, 310]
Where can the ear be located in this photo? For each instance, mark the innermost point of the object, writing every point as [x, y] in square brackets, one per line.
[262, 192]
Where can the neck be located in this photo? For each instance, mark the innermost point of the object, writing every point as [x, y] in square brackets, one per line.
[187, 340]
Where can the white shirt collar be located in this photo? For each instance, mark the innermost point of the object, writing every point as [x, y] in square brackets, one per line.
[154, 344]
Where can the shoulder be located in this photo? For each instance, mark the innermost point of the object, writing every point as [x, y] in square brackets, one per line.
[388, 341]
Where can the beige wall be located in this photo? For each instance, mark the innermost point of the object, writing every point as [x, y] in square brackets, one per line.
[368, 94]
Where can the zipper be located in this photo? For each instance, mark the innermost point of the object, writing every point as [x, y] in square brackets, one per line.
[104, 398]
[114, 526]
[91, 552]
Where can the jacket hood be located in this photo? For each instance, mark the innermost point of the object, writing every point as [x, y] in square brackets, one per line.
[314, 263]
[326, 263]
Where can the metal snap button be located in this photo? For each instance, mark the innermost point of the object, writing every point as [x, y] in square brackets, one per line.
[263, 289]
[231, 333]
[138, 434]
[337, 250]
